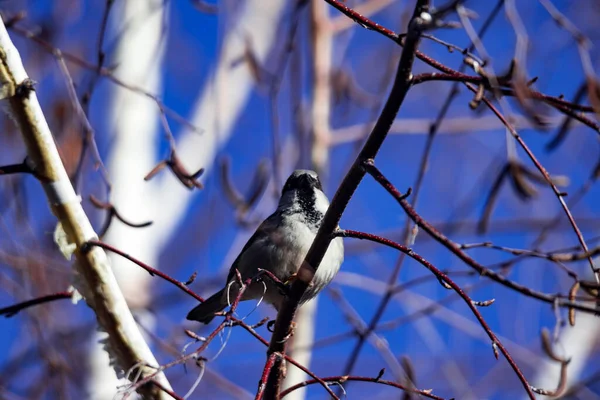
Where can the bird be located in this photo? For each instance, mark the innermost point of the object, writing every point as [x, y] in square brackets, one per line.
[279, 246]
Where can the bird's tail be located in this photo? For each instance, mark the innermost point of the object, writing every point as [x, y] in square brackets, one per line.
[205, 312]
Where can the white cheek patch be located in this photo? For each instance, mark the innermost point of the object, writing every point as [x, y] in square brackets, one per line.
[321, 201]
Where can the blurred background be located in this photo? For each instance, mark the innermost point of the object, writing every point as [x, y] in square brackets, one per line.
[250, 90]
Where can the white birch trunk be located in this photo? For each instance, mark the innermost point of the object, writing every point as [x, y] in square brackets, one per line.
[134, 120]
[93, 277]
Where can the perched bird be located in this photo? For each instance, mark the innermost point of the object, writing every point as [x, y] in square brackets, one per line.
[279, 246]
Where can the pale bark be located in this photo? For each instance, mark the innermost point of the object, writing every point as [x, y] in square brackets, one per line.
[134, 120]
[576, 343]
[94, 277]
[133, 124]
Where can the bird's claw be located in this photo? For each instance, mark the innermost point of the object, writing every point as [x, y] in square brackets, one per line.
[271, 328]
[290, 332]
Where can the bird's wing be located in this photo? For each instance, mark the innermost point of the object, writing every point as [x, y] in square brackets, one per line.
[263, 230]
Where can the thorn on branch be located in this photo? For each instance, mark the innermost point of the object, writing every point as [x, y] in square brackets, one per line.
[380, 374]
[176, 166]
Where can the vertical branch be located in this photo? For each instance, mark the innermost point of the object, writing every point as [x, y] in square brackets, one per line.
[420, 20]
[125, 343]
[322, 45]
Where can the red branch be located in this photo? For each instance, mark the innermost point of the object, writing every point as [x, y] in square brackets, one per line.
[548, 179]
[451, 74]
[167, 391]
[15, 308]
[265, 375]
[445, 279]
[342, 379]
[232, 320]
[151, 271]
[456, 249]
[420, 21]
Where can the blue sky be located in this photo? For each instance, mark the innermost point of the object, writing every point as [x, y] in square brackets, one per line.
[461, 170]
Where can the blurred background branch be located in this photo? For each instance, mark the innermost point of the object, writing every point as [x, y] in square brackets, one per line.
[221, 100]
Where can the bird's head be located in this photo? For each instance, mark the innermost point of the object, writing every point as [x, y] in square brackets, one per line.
[302, 180]
[302, 195]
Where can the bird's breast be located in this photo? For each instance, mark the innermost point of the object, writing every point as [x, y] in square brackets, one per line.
[296, 242]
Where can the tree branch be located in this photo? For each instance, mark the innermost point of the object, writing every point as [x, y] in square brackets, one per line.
[125, 343]
[402, 84]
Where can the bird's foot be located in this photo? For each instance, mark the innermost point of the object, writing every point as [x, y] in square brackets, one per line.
[290, 332]
[284, 287]
[271, 328]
